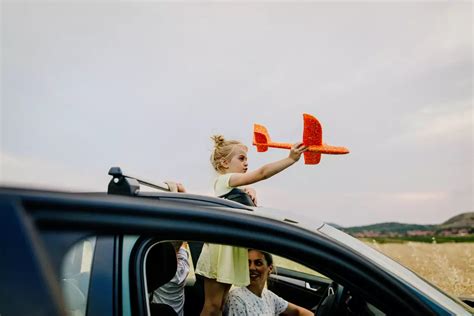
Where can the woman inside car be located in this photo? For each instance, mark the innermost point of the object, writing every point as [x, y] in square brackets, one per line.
[255, 299]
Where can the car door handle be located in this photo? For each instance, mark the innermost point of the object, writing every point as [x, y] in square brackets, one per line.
[314, 288]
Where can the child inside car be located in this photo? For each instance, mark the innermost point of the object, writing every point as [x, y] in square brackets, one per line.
[172, 293]
[221, 266]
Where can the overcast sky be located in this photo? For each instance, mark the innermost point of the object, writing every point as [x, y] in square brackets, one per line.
[143, 85]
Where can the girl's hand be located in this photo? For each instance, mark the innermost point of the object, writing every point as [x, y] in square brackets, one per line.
[252, 193]
[296, 151]
[181, 188]
[175, 186]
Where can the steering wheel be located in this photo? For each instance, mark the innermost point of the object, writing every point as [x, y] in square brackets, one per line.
[331, 302]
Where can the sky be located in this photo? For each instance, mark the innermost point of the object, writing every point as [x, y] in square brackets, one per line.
[87, 85]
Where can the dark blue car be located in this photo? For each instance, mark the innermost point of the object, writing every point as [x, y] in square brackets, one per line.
[104, 254]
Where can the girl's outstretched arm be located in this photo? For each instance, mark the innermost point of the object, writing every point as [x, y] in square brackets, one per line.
[268, 170]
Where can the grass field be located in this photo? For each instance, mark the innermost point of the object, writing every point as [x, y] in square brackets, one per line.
[449, 266]
[427, 239]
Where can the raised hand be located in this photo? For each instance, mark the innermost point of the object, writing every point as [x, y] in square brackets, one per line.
[296, 150]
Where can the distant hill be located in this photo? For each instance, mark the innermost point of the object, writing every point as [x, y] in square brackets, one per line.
[463, 220]
[389, 227]
[459, 225]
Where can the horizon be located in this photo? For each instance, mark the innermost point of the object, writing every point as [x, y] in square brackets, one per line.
[421, 224]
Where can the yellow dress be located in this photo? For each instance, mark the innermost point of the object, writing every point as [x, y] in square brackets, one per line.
[225, 264]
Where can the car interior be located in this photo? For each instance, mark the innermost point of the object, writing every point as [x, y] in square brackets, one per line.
[161, 265]
[75, 276]
[290, 280]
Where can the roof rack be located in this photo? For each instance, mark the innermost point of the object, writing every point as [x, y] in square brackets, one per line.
[130, 186]
[127, 185]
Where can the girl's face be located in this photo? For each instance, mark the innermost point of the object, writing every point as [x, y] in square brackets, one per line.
[238, 160]
[258, 268]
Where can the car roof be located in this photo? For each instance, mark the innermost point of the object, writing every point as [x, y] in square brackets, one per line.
[282, 215]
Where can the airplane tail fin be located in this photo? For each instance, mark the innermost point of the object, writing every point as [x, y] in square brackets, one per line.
[312, 135]
[260, 137]
[313, 131]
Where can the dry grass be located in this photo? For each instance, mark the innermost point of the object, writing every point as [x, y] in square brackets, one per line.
[449, 266]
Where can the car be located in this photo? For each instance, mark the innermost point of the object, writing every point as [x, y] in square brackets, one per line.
[90, 254]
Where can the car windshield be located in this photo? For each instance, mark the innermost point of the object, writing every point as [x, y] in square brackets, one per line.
[394, 268]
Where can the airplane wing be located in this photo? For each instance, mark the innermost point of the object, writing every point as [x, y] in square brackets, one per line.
[312, 136]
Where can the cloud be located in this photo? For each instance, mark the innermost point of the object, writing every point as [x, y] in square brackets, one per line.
[417, 196]
[443, 122]
[431, 124]
[32, 172]
[393, 200]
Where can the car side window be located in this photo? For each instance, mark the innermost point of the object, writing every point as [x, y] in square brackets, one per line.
[292, 281]
[281, 262]
[75, 276]
[305, 287]
[297, 283]
[309, 288]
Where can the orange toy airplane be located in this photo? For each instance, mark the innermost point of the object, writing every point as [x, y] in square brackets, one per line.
[312, 137]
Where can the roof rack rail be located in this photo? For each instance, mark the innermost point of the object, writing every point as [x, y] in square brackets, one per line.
[130, 186]
[126, 185]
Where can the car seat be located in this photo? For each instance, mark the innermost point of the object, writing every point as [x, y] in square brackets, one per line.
[74, 298]
[161, 267]
[240, 196]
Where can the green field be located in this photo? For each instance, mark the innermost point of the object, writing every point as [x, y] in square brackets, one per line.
[423, 239]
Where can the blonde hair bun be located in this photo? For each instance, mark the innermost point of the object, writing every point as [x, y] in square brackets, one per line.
[219, 140]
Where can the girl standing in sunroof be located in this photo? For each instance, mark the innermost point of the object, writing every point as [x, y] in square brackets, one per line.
[221, 266]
